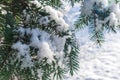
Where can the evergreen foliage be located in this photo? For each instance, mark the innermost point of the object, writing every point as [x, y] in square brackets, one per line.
[17, 12]
[96, 20]
[30, 31]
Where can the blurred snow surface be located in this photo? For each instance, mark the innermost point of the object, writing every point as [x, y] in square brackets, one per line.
[96, 63]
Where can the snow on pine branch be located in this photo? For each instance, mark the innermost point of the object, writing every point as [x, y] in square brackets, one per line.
[40, 40]
[54, 14]
[114, 17]
[104, 11]
[23, 51]
[99, 15]
[48, 45]
[36, 42]
[87, 6]
[58, 17]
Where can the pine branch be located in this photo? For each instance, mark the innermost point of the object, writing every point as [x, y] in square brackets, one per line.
[53, 3]
[72, 62]
[6, 54]
[58, 71]
[2, 24]
[6, 65]
[81, 22]
[97, 34]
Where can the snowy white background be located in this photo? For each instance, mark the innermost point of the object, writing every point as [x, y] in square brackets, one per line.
[96, 63]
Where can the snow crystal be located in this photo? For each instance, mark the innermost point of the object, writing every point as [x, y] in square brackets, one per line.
[45, 51]
[44, 20]
[58, 17]
[60, 14]
[34, 38]
[60, 58]
[27, 18]
[40, 43]
[28, 31]
[24, 12]
[26, 61]
[23, 51]
[4, 12]
[22, 48]
[40, 40]
[69, 49]
[36, 2]
[63, 26]
[44, 36]
[113, 19]
[115, 14]
[59, 43]
[21, 30]
[116, 9]
[37, 37]
[99, 25]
